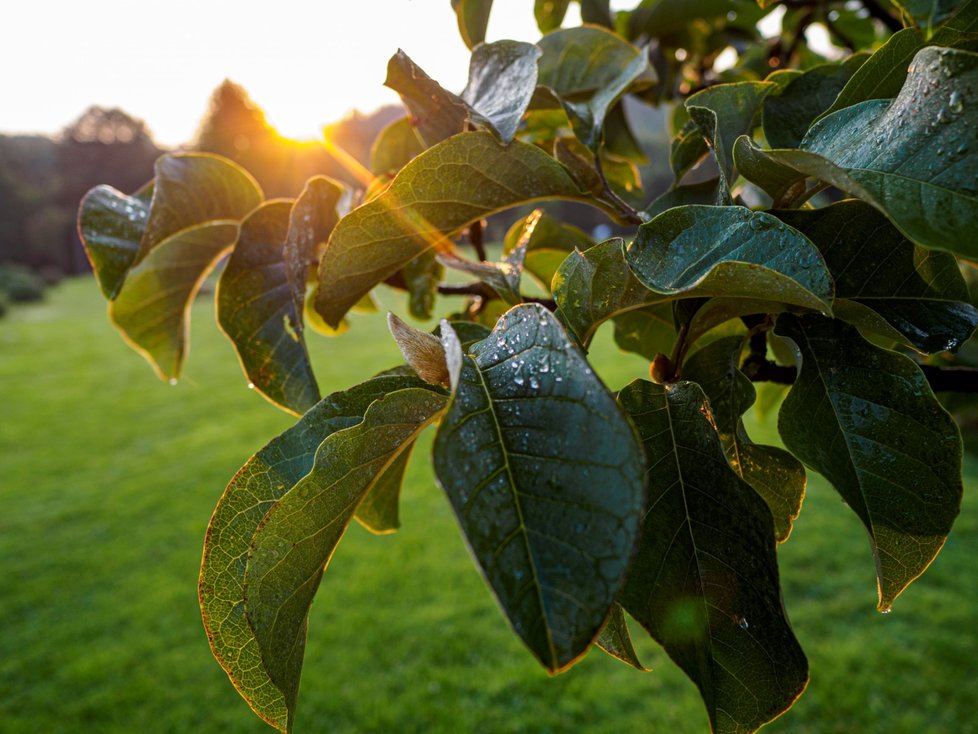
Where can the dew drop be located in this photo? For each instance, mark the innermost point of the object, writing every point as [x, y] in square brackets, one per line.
[251, 386]
[173, 380]
[956, 103]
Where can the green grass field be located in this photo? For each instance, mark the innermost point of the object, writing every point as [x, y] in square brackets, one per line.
[108, 478]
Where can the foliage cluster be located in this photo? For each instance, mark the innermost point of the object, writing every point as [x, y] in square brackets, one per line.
[822, 253]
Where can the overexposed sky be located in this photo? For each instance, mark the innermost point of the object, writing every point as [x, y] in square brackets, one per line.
[305, 62]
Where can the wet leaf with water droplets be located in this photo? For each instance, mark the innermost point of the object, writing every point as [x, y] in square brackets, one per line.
[111, 225]
[257, 311]
[867, 420]
[693, 251]
[706, 565]
[550, 514]
[884, 282]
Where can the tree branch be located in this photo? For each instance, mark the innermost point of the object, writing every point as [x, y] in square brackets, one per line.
[475, 239]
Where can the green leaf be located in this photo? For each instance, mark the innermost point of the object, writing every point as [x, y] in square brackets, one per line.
[396, 144]
[915, 156]
[549, 243]
[687, 148]
[730, 251]
[883, 73]
[111, 226]
[616, 640]
[723, 113]
[549, 14]
[704, 192]
[550, 515]
[298, 534]
[790, 110]
[588, 69]
[255, 308]
[436, 113]
[502, 78]
[704, 581]
[190, 189]
[422, 276]
[259, 484]
[928, 13]
[447, 187]
[915, 295]
[595, 285]
[661, 18]
[312, 218]
[153, 308]
[777, 476]
[597, 12]
[621, 175]
[646, 331]
[379, 511]
[473, 17]
[867, 420]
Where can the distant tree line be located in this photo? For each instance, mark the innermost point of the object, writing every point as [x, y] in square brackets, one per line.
[42, 179]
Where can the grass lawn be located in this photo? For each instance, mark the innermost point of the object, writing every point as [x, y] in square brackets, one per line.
[108, 478]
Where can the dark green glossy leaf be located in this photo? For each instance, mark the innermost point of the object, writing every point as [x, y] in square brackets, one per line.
[152, 309]
[588, 69]
[928, 13]
[782, 173]
[883, 73]
[396, 144]
[312, 218]
[502, 78]
[646, 331]
[704, 192]
[259, 484]
[704, 581]
[298, 534]
[866, 419]
[190, 189]
[687, 149]
[616, 640]
[597, 12]
[447, 187]
[723, 113]
[777, 476]
[915, 295]
[595, 285]
[111, 226]
[916, 156]
[550, 515]
[436, 113]
[730, 251]
[256, 310]
[549, 14]
[789, 111]
[473, 17]
[379, 512]
[660, 18]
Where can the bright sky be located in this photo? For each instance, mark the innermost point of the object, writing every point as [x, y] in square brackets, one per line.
[305, 62]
